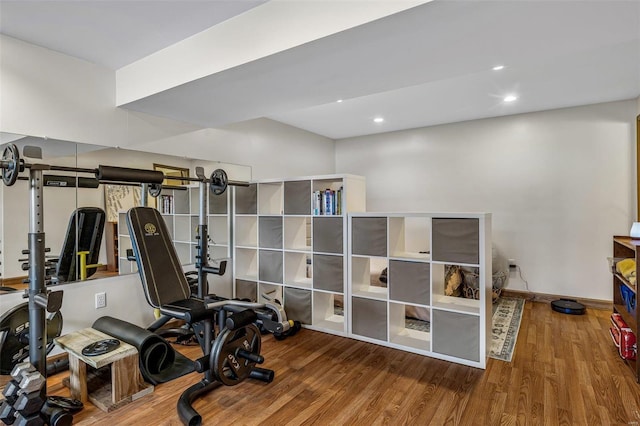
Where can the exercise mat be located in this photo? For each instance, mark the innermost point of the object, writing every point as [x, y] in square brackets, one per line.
[159, 362]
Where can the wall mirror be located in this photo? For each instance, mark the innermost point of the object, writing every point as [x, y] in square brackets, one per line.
[73, 202]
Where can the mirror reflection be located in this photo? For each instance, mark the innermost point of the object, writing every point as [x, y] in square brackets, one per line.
[84, 220]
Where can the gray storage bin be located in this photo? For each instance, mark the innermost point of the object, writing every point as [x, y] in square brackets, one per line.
[297, 304]
[246, 199]
[270, 266]
[328, 273]
[369, 318]
[297, 197]
[369, 236]
[270, 232]
[327, 235]
[218, 203]
[181, 202]
[456, 240]
[247, 290]
[456, 334]
[409, 281]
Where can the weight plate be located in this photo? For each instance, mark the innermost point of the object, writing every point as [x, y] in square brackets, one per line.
[14, 335]
[100, 347]
[155, 189]
[228, 367]
[70, 404]
[218, 181]
[10, 164]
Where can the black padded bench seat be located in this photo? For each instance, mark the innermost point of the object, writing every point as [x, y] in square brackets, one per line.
[165, 285]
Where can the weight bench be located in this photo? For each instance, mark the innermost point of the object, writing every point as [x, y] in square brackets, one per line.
[231, 355]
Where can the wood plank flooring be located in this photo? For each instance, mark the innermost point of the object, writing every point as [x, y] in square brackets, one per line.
[565, 371]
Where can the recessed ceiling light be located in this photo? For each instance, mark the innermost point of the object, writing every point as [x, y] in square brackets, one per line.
[378, 120]
[498, 67]
[510, 98]
[339, 101]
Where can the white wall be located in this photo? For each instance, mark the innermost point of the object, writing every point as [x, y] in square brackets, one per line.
[559, 183]
[46, 93]
[272, 149]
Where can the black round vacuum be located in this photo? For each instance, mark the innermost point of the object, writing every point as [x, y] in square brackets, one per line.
[568, 306]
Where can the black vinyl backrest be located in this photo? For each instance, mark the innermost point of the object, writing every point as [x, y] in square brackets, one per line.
[90, 225]
[158, 264]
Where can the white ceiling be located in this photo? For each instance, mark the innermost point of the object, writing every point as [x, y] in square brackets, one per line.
[427, 65]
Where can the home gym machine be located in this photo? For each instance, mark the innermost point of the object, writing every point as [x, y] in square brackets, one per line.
[229, 356]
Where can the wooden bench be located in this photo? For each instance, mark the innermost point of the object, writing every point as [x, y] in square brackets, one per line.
[126, 383]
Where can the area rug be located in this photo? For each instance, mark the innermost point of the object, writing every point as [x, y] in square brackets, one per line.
[505, 325]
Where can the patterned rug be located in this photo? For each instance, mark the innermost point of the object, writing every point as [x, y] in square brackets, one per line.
[505, 325]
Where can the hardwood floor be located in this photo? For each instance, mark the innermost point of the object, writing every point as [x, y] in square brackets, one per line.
[565, 371]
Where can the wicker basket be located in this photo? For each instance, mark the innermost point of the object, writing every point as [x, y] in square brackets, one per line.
[471, 281]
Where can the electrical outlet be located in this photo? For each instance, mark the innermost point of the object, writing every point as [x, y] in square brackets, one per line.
[101, 300]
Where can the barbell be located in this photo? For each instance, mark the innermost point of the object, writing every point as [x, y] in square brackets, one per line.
[11, 165]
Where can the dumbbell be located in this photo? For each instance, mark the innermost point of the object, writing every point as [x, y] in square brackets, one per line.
[7, 413]
[12, 388]
[32, 420]
[55, 416]
[29, 404]
[31, 382]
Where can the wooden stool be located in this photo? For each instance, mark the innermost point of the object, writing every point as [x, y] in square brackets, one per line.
[126, 384]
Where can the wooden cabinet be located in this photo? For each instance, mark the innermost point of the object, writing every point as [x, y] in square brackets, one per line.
[626, 248]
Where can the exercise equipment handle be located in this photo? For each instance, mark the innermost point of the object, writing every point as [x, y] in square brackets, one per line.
[124, 174]
[241, 319]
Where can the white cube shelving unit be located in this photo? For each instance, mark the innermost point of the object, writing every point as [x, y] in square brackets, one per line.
[285, 251]
[407, 308]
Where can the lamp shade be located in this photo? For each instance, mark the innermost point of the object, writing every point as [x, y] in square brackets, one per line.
[635, 230]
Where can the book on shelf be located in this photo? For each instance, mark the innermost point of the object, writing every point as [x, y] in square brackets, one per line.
[166, 204]
[327, 202]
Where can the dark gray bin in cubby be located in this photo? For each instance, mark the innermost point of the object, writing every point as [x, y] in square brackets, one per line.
[456, 334]
[270, 266]
[455, 240]
[327, 234]
[218, 203]
[181, 202]
[297, 304]
[297, 197]
[328, 273]
[369, 236]
[270, 232]
[409, 281]
[369, 318]
[247, 290]
[246, 199]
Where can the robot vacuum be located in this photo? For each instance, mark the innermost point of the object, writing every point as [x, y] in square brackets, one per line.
[568, 306]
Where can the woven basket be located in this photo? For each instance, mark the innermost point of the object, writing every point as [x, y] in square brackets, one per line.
[471, 284]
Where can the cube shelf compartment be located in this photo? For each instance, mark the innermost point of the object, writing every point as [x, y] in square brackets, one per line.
[365, 277]
[297, 271]
[410, 326]
[411, 310]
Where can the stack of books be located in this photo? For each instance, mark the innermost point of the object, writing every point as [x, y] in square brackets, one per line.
[327, 202]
